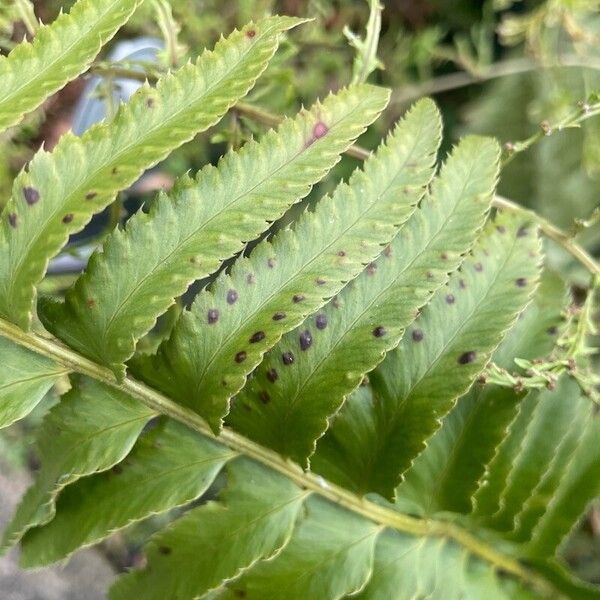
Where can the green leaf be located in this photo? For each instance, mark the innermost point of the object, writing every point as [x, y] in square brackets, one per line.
[335, 349]
[329, 556]
[545, 472]
[253, 521]
[61, 190]
[447, 346]
[26, 378]
[168, 467]
[92, 429]
[554, 414]
[58, 53]
[406, 567]
[222, 339]
[204, 221]
[447, 473]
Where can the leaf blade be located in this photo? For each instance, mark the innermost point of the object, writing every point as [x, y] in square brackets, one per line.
[58, 53]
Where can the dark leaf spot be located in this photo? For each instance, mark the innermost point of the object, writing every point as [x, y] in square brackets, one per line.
[68, 218]
[320, 281]
[164, 550]
[91, 303]
[150, 102]
[278, 316]
[271, 263]
[461, 284]
[552, 330]
[321, 321]
[115, 170]
[388, 251]
[212, 315]
[521, 282]
[117, 469]
[250, 279]
[478, 267]
[450, 299]
[232, 296]
[444, 256]
[272, 375]
[372, 268]
[305, 340]
[335, 302]
[12, 220]
[500, 229]
[257, 337]
[31, 195]
[429, 275]
[467, 357]
[341, 253]
[91, 195]
[264, 396]
[287, 358]
[250, 33]
[522, 231]
[240, 357]
[298, 298]
[379, 331]
[417, 335]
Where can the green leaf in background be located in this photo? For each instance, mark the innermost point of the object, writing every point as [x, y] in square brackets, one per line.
[60, 191]
[188, 233]
[350, 336]
[58, 53]
[216, 344]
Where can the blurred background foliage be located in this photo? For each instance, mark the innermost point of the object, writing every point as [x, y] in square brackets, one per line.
[507, 68]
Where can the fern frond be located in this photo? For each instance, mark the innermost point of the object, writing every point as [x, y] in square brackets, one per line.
[26, 377]
[61, 190]
[444, 350]
[221, 340]
[57, 54]
[335, 349]
[254, 521]
[204, 221]
[169, 466]
[565, 495]
[546, 470]
[92, 429]
[471, 433]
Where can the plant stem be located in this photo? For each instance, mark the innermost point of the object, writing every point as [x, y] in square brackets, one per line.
[573, 119]
[453, 81]
[64, 356]
[554, 233]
